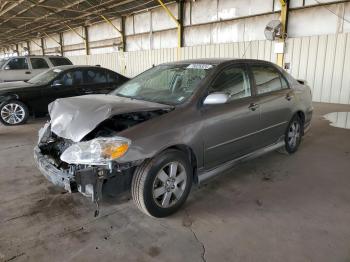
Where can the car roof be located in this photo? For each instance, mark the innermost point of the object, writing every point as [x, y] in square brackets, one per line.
[36, 56]
[214, 61]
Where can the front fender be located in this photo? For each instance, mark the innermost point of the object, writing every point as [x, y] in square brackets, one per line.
[8, 97]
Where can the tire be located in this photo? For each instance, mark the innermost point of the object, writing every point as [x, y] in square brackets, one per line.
[293, 135]
[19, 111]
[158, 188]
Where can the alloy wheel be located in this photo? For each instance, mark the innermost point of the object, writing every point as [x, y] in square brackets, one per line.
[13, 113]
[169, 184]
[294, 134]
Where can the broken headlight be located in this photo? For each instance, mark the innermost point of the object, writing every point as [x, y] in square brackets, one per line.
[99, 151]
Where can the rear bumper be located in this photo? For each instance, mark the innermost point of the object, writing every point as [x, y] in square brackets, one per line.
[53, 174]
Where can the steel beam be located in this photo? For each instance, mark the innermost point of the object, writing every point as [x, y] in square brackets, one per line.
[284, 21]
[178, 25]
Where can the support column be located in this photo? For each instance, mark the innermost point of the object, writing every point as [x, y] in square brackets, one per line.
[86, 40]
[181, 12]
[284, 21]
[61, 43]
[28, 46]
[123, 34]
[42, 46]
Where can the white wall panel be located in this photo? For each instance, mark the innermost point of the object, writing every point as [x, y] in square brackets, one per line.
[103, 31]
[204, 11]
[142, 22]
[315, 21]
[324, 62]
[71, 38]
[161, 20]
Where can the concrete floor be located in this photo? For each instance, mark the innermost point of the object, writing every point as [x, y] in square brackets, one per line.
[275, 208]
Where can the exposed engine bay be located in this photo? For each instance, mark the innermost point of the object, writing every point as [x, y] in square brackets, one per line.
[121, 122]
[89, 179]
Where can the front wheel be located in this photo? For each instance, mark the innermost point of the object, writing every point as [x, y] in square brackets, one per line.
[161, 185]
[13, 113]
[293, 135]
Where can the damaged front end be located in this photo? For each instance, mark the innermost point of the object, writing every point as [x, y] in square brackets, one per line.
[87, 179]
[79, 148]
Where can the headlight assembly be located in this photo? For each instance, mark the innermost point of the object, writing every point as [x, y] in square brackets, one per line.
[99, 151]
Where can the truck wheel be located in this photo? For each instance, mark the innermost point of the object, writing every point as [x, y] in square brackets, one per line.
[293, 135]
[161, 185]
[13, 113]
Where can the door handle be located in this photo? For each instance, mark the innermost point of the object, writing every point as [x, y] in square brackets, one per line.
[27, 72]
[253, 106]
[289, 97]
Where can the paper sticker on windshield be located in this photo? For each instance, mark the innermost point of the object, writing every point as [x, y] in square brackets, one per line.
[200, 66]
[56, 70]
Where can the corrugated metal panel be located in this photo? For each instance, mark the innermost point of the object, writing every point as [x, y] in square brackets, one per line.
[323, 61]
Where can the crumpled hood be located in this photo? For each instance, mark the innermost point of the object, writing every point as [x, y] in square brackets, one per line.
[75, 117]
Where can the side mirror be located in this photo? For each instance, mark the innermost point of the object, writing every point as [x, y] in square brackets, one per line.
[216, 99]
[302, 81]
[57, 83]
[7, 67]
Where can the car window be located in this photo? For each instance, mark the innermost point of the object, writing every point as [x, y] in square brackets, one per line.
[166, 84]
[74, 77]
[59, 61]
[233, 81]
[17, 63]
[267, 79]
[94, 76]
[39, 63]
[112, 77]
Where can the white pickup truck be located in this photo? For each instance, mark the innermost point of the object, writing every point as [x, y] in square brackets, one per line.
[22, 68]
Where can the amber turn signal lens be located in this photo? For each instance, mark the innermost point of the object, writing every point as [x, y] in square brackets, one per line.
[112, 152]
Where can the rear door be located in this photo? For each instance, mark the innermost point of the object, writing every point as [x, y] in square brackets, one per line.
[95, 82]
[275, 98]
[230, 129]
[16, 69]
[39, 65]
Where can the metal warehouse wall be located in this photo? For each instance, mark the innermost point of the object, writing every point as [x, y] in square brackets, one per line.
[324, 61]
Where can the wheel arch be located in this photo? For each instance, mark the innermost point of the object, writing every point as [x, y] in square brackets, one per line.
[15, 97]
[191, 157]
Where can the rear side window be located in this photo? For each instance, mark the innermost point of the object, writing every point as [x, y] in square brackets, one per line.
[59, 61]
[234, 82]
[112, 77]
[18, 63]
[95, 76]
[268, 79]
[39, 63]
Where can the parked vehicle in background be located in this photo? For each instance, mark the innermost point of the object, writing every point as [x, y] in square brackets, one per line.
[171, 126]
[21, 68]
[20, 99]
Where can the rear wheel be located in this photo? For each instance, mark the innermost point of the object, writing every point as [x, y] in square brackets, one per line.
[293, 135]
[161, 185]
[13, 113]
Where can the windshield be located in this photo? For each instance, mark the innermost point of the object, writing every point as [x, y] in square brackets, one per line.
[165, 84]
[45, 77]
[3, 61]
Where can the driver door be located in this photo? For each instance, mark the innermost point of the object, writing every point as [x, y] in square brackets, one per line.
[69, 83]
[230, 129]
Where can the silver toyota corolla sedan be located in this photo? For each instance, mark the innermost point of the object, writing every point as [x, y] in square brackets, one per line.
[175, 125]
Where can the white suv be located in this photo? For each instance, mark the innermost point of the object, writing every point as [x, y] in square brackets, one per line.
[21, 68]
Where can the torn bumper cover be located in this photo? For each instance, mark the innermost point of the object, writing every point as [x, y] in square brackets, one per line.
[87, 181]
